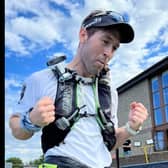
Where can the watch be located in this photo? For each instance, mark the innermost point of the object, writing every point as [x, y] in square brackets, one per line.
[132, 131]
[26, 124]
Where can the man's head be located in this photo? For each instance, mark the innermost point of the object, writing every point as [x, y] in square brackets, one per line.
[100, 35]
[100, 19]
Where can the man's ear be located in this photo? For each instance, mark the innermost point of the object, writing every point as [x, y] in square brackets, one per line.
[83, 36]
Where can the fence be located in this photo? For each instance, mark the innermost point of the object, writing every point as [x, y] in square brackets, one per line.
[149, 165]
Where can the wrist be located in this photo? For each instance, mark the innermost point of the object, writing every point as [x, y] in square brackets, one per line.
[132, 131]
[26, 123]
[31, 116]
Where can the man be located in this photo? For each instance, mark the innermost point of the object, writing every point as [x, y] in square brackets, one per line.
[77, 109]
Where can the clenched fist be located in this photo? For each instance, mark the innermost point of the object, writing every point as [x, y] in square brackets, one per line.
[43, 113]
[138, 114]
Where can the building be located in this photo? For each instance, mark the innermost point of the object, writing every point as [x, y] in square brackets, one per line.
[8, 165]
[151, 88]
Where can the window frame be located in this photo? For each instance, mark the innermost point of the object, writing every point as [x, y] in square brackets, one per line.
[164, 126]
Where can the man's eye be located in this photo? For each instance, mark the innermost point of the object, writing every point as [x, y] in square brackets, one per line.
[105, 41]
[115, 48]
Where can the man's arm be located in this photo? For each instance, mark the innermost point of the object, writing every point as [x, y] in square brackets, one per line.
[41, 115]
[121, 136]
[137, 115]
[17, 131]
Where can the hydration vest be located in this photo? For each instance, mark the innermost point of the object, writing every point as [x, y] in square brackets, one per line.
[67, 110]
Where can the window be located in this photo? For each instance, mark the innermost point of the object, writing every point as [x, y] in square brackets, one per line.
[159, 140]
[166, 110]
[165, 79]
[155, 85]
[159, 90]
[156, 100]
[158, 116]
[160, 98]
[165, 93]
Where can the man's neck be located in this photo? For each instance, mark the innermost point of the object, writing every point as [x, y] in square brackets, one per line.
[76, 65]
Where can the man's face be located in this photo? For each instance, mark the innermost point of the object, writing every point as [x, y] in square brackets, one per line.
[97, 50]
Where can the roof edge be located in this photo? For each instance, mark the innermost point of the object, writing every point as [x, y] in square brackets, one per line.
[163, 64]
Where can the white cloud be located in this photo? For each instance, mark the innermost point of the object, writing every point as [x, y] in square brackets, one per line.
[13, 7]
[39, 30]
[116, 5]
[14, 43]
[12, 82]
[55, 55]
[164, 38]
[67, 4]
[155, 59]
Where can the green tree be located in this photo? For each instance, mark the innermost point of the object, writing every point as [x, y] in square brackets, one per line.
[37, 162]
[16, 162]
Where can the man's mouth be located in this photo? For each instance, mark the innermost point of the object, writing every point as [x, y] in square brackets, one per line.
[101, 62]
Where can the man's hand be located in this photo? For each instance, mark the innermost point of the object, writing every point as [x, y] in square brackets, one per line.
[138, 114]
[43, 113]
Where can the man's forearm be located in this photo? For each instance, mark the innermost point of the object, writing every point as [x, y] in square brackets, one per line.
[121, 136]
[17, 131]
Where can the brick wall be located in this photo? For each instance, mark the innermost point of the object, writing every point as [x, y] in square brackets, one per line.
[155, 157]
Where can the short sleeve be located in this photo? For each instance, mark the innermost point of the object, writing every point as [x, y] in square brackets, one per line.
[30, 93]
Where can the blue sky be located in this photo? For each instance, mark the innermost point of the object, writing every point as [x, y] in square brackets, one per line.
[36, 30]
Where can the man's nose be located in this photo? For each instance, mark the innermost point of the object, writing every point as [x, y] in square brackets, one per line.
[108, 52]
